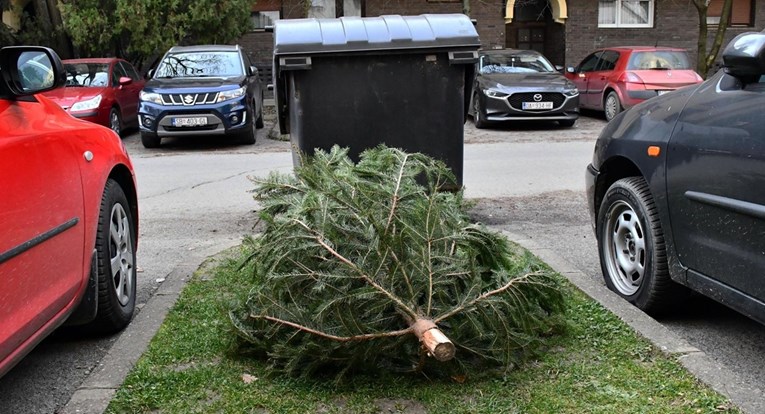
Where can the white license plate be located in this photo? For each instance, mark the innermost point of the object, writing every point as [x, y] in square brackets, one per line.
[537, 105]
[663, 92]
[190, 122]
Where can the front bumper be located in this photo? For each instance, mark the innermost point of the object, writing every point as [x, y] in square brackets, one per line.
[229, 117]
[510, 108]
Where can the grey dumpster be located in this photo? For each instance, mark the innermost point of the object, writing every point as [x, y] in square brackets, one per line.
[402, 81]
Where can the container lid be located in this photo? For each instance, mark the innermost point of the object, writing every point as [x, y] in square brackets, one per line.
[391, 32]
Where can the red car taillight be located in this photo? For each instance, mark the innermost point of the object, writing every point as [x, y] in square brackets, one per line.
[631, 78]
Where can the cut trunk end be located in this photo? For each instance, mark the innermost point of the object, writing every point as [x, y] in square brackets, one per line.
[437, 344]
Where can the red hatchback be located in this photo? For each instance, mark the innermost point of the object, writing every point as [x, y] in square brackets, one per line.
[618, 78]
[68, 212]
[104, 91]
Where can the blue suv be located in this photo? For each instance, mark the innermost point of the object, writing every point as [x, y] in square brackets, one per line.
[201, 90]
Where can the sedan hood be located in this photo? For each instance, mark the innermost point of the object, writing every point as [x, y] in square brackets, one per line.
[161, 84]
[525, 80]
[68, 96]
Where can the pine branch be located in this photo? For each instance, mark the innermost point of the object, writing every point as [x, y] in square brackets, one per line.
[363, 337]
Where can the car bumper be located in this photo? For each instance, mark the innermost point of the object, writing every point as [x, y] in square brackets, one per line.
[99, 116]
[590, 180]
[509, 108]
[229, 117]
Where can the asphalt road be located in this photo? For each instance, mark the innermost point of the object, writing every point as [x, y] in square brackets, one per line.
[194, 203]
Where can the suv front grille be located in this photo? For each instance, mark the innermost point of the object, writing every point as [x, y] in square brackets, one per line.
[517, 99]
[189, 99]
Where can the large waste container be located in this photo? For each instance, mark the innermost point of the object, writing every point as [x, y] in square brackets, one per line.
[402, 81]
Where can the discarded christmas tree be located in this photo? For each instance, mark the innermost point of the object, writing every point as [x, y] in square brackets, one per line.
[369, 266]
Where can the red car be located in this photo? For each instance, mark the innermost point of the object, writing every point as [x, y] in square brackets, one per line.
[104, 91]
[618, 78]
[68, 212]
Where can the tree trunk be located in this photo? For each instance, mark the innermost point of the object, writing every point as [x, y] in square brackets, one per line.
[705, 58]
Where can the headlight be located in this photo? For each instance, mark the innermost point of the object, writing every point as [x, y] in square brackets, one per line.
[494, 94]
[570, 89]
[88, 105]
[150, 97]
[232, 94]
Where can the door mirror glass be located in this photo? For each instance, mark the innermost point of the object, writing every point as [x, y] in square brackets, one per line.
[35, 71]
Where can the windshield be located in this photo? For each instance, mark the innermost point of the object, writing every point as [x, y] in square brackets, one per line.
[87, 74]
[520, 63]
[200, 64]
[660, 60]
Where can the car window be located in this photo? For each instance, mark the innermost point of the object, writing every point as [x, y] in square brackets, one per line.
[589, 63]
[130, 70]
[659, 60]
[608, 60]
[515, 63]
[118, 73]
[200, 64]
[87, 74]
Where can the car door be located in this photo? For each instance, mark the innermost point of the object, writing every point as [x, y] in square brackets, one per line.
[716, 186]
[581, 77]
[41, 223]
[598, 79]
[122, 93]
[130, 108]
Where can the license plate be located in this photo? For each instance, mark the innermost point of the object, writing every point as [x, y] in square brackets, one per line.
[662, 92]
[537, 105]
[190, 122]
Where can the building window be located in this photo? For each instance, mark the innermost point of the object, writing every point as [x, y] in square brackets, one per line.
[625, 13]
[741, 13]
[261, 19]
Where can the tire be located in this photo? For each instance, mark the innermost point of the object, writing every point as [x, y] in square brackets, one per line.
[150, 140]
[116, 258]
[632, 250]
[567, 123]
[612, 106]
[115, 121]
[247, 137]
[478, 118]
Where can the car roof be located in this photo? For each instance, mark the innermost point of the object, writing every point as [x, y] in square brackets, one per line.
[507, 52]
[204, 48]
[644, 48]
[91, 60]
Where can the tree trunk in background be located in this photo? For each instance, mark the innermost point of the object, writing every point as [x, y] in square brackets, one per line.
[705, 59]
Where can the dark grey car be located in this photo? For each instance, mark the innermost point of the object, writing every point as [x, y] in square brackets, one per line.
[521, 85]
[677, 190]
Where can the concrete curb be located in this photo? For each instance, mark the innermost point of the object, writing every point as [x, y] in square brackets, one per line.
[98, 389]
[718, 377]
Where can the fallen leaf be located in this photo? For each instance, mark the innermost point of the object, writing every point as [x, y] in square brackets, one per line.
[249, 379]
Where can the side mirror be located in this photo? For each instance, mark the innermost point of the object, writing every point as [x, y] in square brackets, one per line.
[270, 86]
[745, 55]
[559, 68]
[253, 71]
[27, 70]
[571, 69]
[150, 74]
[124, 80]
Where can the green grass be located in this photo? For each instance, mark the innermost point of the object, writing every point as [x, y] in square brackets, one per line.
[599, 365]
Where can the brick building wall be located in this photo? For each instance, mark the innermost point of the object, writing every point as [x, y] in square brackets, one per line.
[675, 24]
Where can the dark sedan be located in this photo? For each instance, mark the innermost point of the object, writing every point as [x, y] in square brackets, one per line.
[521, 85]
[677, 191]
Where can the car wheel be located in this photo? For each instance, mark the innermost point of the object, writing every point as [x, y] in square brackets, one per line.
[631, 247]
[116, 254]
[612, 106]
[247, 136]
[150, 140]
[115, 121]
[567, 122]
[259, 122]
[478, 117]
